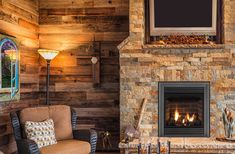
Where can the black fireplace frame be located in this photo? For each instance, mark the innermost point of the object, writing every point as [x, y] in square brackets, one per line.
[178, 132]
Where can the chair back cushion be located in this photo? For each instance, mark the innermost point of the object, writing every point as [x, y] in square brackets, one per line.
[32, 114]
[60, 114]
[36, 114]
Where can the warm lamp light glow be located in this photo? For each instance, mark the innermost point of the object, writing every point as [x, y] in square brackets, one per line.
[48, 54]
[11, 54]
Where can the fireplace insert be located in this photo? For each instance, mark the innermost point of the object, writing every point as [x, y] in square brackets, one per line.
[184, 109]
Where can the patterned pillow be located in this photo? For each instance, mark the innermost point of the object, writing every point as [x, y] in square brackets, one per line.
[42, 133]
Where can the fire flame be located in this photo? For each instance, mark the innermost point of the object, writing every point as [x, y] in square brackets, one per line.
[190, 119]
[176, 115]
[185, 119]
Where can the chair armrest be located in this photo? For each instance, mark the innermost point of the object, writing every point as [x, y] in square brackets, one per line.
[26, 146]
[88, 136]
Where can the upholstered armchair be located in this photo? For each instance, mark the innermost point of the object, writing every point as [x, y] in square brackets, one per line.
[69, 140]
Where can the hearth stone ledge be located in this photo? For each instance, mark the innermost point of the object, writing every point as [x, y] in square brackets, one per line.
[202, 145]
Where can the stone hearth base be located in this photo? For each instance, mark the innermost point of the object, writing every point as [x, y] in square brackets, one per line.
[186, 145]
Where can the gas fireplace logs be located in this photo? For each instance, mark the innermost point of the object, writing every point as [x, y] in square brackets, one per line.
[180, 120]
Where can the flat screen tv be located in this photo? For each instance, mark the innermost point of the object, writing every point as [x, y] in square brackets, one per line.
[183, 17]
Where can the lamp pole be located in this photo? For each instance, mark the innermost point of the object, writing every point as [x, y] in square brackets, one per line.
[48, 83]
[48, 55]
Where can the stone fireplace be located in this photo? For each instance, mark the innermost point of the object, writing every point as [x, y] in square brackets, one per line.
[184, 109]
[144, 66]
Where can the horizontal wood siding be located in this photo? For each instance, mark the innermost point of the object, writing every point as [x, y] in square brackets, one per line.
[19, 18]
[71, 26]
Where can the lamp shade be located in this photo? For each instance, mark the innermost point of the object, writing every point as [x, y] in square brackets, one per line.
[48, 54]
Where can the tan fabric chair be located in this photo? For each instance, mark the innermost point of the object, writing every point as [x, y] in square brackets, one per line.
[70, 141]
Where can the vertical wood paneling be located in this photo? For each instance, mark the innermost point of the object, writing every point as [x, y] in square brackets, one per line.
[71, 26]
[19, 18]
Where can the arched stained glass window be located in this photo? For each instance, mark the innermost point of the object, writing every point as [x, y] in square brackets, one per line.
[9, 69]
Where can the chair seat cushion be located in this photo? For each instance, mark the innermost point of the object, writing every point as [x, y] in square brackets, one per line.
[67, 147]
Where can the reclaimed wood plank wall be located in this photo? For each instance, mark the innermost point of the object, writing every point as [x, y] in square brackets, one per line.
[71, 26]
[19, 18]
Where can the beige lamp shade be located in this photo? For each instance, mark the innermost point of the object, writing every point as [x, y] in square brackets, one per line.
[48, 54]
[11, 53]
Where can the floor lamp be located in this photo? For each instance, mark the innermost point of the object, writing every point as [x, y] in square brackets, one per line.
[48, 55]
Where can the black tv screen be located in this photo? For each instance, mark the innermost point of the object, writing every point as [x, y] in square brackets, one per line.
[183, 13]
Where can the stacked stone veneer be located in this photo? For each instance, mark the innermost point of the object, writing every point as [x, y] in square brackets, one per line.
[141, 70]
[143, 66]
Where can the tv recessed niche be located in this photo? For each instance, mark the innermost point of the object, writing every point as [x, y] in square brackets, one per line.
[183, 17]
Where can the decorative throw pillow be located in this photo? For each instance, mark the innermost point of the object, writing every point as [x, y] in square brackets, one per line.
[42, 133]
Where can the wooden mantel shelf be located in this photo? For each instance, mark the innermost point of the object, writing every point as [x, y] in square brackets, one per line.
[186, 145]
